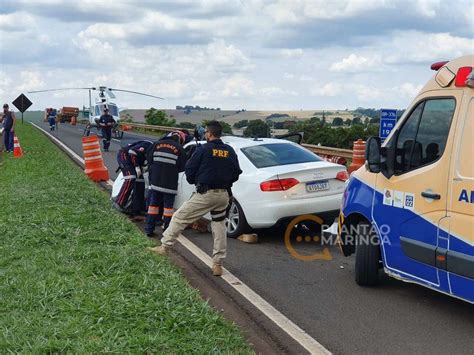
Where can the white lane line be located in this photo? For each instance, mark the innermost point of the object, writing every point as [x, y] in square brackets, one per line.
[69, 150]
[303, 338]
[290, 328]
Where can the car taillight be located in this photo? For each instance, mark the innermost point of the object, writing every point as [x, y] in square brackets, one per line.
[278, 184]
[342, 176]
[461, 76]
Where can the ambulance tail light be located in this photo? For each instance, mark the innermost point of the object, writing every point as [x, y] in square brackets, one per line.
[462, 77]
[278, 184]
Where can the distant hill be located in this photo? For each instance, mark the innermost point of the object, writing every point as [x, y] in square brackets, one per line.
[233, 116]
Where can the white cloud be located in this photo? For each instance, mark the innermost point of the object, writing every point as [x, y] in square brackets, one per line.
[237, 86]
[291, 53]
[415, 46]
[227, 56]
[275, 91]
[367, 93]
[354, 63]
[30, 80]
[16, 22]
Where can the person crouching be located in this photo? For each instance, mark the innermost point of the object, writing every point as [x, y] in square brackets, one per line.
[132, 161]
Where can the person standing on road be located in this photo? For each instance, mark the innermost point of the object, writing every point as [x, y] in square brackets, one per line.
[106, 123]
[9, 121]
[132, 162]
[213, 168]
[52, 119]
[166, 160]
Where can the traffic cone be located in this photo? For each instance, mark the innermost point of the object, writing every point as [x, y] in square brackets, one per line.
[94, 164]
[17, 151]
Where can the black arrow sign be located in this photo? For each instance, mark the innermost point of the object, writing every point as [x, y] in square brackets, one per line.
[22, 103]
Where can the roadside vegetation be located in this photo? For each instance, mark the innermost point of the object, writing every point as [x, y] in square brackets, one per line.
[76, 275]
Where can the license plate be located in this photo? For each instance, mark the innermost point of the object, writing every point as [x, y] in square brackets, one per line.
[316, 186]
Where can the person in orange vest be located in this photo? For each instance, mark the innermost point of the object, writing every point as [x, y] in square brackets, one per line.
[9, 121]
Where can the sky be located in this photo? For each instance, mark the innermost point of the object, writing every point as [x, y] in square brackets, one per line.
[239, 54]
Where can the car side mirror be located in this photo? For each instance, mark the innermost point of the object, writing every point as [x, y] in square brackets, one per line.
[373, 155]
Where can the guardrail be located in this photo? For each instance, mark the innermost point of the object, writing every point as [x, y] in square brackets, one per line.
[148, 127]
[328, 151]
[319, 149]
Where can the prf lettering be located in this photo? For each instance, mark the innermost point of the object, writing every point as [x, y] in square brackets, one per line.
[220, 153]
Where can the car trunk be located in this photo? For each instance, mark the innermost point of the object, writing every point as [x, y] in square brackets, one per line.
[314, 179]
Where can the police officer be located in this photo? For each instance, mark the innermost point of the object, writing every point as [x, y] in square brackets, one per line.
[213, 168]
[106, 123]
[132, 160]
[167, 159]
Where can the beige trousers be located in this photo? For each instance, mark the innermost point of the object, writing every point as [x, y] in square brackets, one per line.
[214, 201]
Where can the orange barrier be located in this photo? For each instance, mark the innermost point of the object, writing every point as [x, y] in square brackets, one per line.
[358, 156]
[334, 159]
[17, 151]
[94, 165]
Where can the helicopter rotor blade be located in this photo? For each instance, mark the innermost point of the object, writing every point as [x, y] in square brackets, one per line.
[136, 92]
[33, 92]
[110, 93]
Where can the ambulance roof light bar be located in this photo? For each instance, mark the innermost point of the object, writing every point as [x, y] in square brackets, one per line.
[438, 65]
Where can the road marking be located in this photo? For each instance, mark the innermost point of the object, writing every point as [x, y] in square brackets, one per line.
[290, 328]
[303, 338]
[69, 150]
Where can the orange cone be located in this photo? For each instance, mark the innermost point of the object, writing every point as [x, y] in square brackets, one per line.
[94, 165]
[17, 151]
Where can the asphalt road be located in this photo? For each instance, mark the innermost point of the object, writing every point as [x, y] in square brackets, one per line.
[322, 298]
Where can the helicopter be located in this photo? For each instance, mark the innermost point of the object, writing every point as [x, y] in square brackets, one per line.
[105, 95]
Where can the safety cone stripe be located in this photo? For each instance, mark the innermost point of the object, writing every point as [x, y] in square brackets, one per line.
[95, 157]
[89, 144]
[92, 151]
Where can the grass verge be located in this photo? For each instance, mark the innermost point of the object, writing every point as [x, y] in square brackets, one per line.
[76, 275]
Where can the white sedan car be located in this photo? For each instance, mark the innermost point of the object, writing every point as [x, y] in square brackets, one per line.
[280, 180]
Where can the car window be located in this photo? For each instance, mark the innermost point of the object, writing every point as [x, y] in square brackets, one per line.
[266, 155]
[423, 136]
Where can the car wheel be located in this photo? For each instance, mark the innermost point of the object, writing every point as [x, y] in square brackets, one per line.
[367, 256]
[236, 223]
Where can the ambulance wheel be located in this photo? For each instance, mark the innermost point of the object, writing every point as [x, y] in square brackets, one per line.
[367, 256]
[236, 223]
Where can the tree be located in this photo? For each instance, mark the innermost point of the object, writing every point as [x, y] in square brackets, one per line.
[348, 122]
[356, 121]
[226, 128]
[375, 121]
[158, 118]
[241, 124]
[337, 121]
[187, 125]
[257, 128]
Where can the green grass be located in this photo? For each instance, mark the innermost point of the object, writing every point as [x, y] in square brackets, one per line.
[76, 275]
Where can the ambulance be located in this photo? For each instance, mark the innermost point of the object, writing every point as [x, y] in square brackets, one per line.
[410, 209]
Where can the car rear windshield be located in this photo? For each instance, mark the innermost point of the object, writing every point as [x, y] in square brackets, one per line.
[266, 155]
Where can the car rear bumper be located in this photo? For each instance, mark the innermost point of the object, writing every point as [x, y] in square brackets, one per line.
[265, 214]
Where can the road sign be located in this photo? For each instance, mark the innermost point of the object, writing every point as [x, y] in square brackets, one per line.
[388, 119]
[22, 103]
